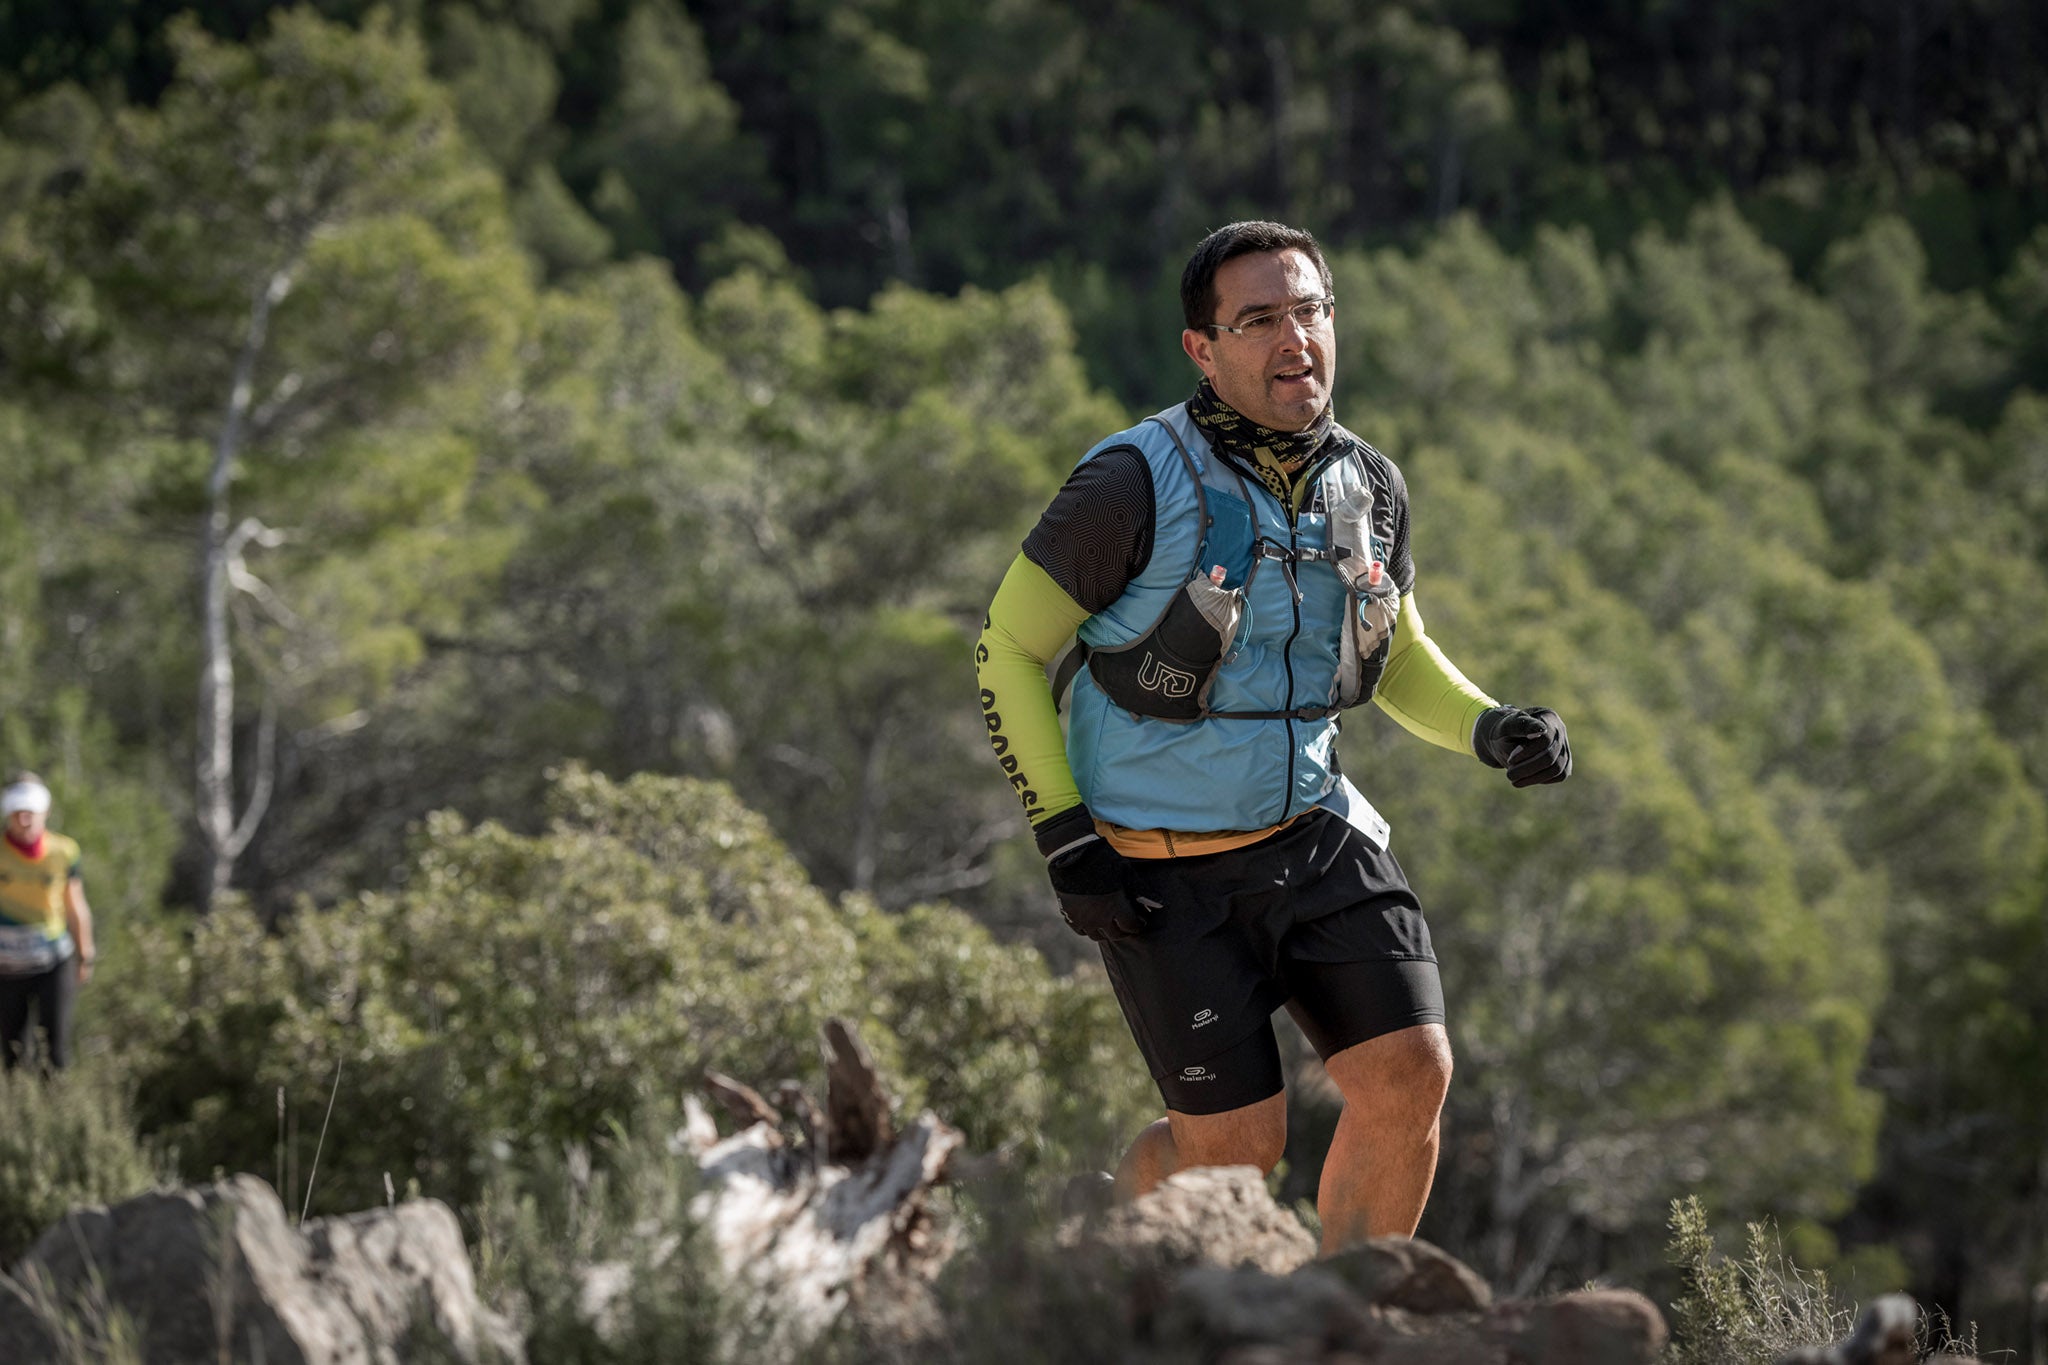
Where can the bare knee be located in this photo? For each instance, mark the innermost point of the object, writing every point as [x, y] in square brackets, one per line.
[1255, 1135]
[1410, 1067]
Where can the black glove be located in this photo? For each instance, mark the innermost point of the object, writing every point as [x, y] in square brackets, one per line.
[1530, 744]
[1091, 878]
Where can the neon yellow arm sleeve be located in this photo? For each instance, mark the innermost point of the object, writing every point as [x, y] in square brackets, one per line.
[1027, 623]
[1424, 691]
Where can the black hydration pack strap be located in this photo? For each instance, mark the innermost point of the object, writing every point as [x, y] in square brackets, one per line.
[1299, 713]
[1063, 672]
[1077, 653]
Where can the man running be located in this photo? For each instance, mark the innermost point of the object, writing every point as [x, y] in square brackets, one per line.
[1237, 571]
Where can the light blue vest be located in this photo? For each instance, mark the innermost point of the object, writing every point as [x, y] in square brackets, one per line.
[1220, 772]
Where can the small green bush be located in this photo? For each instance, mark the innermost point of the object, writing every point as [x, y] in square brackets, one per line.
[985, 1035]
[85, 1329]
[1753, 1309]
[1014, 1296]
[1747, 1311]
[548, 1218]
[65, 1141]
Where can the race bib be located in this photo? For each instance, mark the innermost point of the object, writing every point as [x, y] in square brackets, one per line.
[1349, 805]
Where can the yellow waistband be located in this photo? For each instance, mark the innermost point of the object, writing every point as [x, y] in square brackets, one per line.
[1167, 843]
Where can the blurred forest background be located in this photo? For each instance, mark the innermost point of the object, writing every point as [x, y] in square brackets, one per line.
[410, 413]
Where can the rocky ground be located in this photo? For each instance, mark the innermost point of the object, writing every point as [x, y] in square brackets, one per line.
[829, 1222]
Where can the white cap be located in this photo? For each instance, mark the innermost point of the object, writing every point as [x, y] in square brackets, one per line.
[31, 796]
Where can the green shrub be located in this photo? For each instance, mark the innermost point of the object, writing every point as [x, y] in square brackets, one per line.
[1012, 1295]
[1751, 1310]
[522, 993]
[986, 1036]
[64, 1142]
[1747, 1311]
[548, 1218]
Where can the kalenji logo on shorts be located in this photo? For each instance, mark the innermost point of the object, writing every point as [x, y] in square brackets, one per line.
[1205, 1017]
[1198, 1073]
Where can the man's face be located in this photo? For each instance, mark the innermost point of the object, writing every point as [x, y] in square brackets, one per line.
[25, 825]
[1280, 380]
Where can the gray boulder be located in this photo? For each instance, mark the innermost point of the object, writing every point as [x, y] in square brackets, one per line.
[1397, 1272]
[1588, 1327]
[1215, 1215]
[1303, 1313]
[218, 1272]
[1220, 1273]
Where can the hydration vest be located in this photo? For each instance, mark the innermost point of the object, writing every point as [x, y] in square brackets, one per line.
[1209, 700]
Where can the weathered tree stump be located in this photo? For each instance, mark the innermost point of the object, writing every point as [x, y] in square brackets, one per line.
[837, 1219]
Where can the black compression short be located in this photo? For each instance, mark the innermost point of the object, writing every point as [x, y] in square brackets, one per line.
[1313, 918]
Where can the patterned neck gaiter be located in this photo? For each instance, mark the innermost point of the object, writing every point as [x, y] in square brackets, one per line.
[1277, 458]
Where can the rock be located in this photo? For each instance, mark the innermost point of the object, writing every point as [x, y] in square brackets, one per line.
[1212, 1215]
[1223, 1274]
[1089, 1194]
[1589, 1327]
[219, 1273]
[1259, 1355]
[1397, 1272]
[1307, 1311]
[1309, 1315]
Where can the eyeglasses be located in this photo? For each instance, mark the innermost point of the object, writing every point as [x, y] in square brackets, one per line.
[1308, 313]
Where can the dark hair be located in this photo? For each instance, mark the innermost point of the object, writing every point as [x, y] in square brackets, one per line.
[1227, 243]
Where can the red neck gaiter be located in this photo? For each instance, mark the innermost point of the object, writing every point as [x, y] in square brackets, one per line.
[33, 851]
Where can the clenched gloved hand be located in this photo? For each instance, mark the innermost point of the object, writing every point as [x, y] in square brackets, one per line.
[1530, 744]
[1091, 878]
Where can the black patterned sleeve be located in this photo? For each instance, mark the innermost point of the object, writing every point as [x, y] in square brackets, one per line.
[1402, 565]
[1097, 534]
[1390, 515]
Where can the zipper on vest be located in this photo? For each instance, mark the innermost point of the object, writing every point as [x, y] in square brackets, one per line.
[1287, 661]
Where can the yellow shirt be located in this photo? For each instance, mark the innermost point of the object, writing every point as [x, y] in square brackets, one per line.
[32, 889]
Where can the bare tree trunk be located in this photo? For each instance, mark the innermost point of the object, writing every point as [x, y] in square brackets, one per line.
[1282, 121]
[896, 219]
[1450, 166]
[867, 831]
[220, 549]
[1507, 1198]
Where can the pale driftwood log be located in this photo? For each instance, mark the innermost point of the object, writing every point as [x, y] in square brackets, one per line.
[741, 1101]
[796, 1102]
[807, 1231]
[857, 1106]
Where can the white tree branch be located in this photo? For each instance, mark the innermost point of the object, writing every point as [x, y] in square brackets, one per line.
[266, 781]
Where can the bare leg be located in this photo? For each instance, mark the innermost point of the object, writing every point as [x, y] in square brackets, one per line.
[1150, 1160]
[1255, 1135]
[1382, 1160]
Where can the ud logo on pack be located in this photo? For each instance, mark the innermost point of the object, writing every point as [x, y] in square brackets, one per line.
[1155, 676]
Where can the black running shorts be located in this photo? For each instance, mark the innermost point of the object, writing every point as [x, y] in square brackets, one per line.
[1313, 918]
